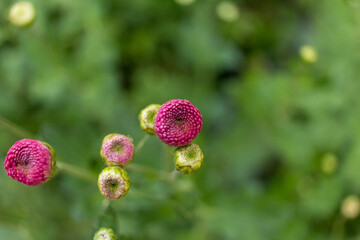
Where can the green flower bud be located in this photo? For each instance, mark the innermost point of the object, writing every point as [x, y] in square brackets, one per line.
[188, 158]
[227, 11]
[22, 14]
[329, 163]
[147, 117]
[308, 54]
[113, 182]
[104, 234]
[185, 2]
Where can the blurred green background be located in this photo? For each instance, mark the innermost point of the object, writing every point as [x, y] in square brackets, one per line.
[281, 133]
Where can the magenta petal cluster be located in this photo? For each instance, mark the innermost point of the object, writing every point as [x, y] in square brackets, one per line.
[30, 162]
[117, 150]
[178, 122]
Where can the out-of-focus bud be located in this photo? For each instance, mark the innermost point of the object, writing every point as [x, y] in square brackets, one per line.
[189, 158]
[147, 118]
[329, 163]
[184, 2]
[30, 162]
[350, 207]
[227, 11]
[104, 234]
[113, 182]
[117, 150]
[22, 14]
[308, 54]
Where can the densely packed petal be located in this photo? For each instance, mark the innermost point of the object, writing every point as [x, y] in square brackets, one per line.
[30, 162]
[117, 150]
[178, 122]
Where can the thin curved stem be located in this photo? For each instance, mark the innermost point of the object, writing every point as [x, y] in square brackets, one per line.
[167, 157]
[147, 170]
[75, 171]
[15, 129]
[105, 206]
[338, 229]
[141, 143]
[62, 166]
[146, 195]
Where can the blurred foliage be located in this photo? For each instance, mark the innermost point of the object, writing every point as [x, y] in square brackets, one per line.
[86, 68]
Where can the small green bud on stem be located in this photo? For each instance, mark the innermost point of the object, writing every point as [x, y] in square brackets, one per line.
[113, 182]
[188, 158]
[147, 118]
[104, 234]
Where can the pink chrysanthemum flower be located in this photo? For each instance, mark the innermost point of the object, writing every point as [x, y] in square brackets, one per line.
[178, 122]
[30, 162]
[117, 150]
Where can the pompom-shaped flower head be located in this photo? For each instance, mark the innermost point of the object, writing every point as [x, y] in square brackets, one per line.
[113, 182]
[147, 118]
[178, 122]
[189, 158]
[104, 234]
[22, 14]
[117, 150]
[30, 162]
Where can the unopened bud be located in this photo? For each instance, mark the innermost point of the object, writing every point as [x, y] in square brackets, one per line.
[350, 207]
[22, 14]
[113, 182]
[184, 2]
[308, 54]
[30, 162]
[117, 150]
[147, 118]
[104, 234]
[329, 163]
[189, 158]
[227, 11]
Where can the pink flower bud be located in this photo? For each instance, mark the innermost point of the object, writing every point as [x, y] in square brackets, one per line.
[117, 150]
[30, 162]
[178, 122]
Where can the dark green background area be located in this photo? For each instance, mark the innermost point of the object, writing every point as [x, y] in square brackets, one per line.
[85, 69]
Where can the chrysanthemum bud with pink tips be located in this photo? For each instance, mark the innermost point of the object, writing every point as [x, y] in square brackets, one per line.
[147, 118]
[104, 234]
[178, 122]
[113, 182]
[30, 162]
[189, 158]
[117, 150]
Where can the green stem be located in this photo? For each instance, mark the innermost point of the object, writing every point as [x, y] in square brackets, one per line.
[338, 229]
[147, 170]
[105, 206]
[66, 167]
[173, 175]
[142, 142]
[166, 157]
[75, 171]
[15, 129]
[146, 195]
